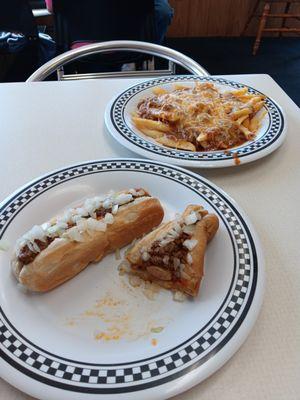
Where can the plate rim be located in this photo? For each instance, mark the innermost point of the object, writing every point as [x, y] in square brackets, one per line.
[216, 163]
[246, 324]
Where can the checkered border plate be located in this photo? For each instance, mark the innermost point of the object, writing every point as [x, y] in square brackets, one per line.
[119, 378]
[118, 110]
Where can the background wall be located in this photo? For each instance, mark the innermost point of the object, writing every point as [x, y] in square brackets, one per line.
[220, 17]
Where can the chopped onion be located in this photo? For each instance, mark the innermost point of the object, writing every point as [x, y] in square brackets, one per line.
[190, 243]
[109, 219]
[177, 228]
[98, 199]
[82, 224]
[145, 256]
[93, 215]
[114, 209]
[107, 203]
[95, 225]
[164, 242]
[74, 234]
[173, 234]
[81, 211]
[189, 229]
[133, 192]
[57, 229]
[178, 296]
[123, 198]
[46, 225]
[75, 218]
[91, 205]
[33, 246]
[36, 232]
[36, 247]
[30, 246]
[61, 225]
[191, 218]
[189, 258]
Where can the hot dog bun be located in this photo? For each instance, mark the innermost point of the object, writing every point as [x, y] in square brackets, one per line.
[65, 258]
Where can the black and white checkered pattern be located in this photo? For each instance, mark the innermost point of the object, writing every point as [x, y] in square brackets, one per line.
[118, 120]
[165, 365]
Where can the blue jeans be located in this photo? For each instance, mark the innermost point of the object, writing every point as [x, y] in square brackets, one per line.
[163, 17]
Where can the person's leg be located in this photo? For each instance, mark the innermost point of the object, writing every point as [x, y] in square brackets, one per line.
[163, 17]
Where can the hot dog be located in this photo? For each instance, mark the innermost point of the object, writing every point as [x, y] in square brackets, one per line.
[172, 255]
[54, 252]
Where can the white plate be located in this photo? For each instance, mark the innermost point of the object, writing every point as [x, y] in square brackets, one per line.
[118, 122]
[47, 341]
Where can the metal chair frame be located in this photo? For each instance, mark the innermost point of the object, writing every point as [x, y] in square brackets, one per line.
[173, 56]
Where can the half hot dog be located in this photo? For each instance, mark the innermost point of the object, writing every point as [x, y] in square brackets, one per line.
[172, 255]
[54, 252]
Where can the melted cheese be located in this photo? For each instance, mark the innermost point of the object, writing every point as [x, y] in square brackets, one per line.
[201, 115]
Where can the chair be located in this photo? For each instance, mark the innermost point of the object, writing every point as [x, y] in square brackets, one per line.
[78, 22]
[268, 14]
[97, 21]
[57, 63]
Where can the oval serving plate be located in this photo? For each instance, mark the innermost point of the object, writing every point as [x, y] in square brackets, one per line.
[118, 122]
[96, 334]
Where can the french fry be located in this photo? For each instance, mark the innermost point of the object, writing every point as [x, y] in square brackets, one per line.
[253, 124]
[152, 133]
[177, 144]
[246, 123]
[255, 99]
[262, 114]
[190, 110]
[245, 98]
[142, 123]
[177, 86]
[202, 137]
[257, 106]
[246, 132]
[239, 113]
[256, 120]
[242, 119]
[239, 92]
[159, 90]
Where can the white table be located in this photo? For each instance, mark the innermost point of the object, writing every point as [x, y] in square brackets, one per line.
[44, 126]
